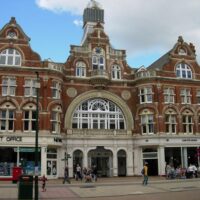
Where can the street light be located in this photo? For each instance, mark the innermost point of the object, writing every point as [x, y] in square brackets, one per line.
[37, 86]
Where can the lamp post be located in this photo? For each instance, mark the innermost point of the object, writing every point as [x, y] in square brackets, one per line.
[36, 136]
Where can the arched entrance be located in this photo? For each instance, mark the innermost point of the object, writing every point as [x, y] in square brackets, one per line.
[102, 158]
[121, 159]
[77, 159]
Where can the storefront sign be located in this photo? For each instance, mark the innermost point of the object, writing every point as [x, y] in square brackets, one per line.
[26, 149]
[11, 138]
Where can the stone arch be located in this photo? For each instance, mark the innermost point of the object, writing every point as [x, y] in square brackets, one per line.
[100, 94]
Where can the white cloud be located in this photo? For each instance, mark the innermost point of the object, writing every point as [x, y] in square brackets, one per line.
[142, 26]
[78, 22]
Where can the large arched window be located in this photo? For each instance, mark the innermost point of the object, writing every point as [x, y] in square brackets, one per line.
[98, 114]
[10, 57]
[183, 71]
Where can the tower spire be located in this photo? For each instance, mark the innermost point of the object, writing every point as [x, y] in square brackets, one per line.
[92, 15]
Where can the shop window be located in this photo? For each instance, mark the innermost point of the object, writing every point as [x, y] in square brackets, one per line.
[52, 162]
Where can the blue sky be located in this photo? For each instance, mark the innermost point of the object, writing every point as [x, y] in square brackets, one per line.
[141, 27]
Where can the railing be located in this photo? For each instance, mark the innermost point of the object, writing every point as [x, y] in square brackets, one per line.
[55, 66]
[99, 73]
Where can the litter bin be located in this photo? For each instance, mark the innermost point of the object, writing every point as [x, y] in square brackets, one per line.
[25, 187]
[16, 173]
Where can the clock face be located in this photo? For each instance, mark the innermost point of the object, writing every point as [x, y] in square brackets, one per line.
[12, 34]
[98, 50]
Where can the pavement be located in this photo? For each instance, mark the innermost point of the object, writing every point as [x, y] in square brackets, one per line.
[104, 187]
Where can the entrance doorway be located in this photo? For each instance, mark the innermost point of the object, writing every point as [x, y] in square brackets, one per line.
[150, 156]
[121, 159]
[77, 159]
[102, 158]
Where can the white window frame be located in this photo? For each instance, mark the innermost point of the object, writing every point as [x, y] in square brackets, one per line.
[98, 114]
[147, 123]
[56, 120]
[30, 88]
[198, 96]
[28, 120]
[169, 95]
[146, 95]
[183, 71]
[187, 124]
[170, 122]
[7, 118]
[8, 86]
[98, 59]
[185, 96]
[10, 57]
[80, 69]
[116, 72]
[56, 89]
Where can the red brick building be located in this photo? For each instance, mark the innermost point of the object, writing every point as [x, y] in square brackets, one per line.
[95, 108]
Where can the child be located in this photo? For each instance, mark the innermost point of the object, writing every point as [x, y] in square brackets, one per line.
[43, 179]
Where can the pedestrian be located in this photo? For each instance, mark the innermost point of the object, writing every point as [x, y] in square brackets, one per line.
[43, 179]
[94, 173]
[78, 172]
[145, 180]
[66, 175]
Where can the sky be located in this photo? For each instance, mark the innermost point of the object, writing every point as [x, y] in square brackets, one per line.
[146, 29]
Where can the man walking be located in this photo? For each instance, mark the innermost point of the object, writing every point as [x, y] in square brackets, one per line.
[66, 175]
[145, 181]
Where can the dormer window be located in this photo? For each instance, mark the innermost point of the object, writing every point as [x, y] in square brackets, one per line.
[12, 35]
[183, 71]
[182, 51]
[80, 69]
[10, 57]
[116, 72]
[98, 59]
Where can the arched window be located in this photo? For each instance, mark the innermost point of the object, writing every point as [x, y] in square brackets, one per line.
[55, 120]
[80, 69]
[170, 122]
[183, 71]
[98, 59]
[10, 57]
[7, 117]
[98, 114]
[116, 72]
[147, 122]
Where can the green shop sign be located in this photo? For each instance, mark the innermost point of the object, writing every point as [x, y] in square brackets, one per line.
[26, 149]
